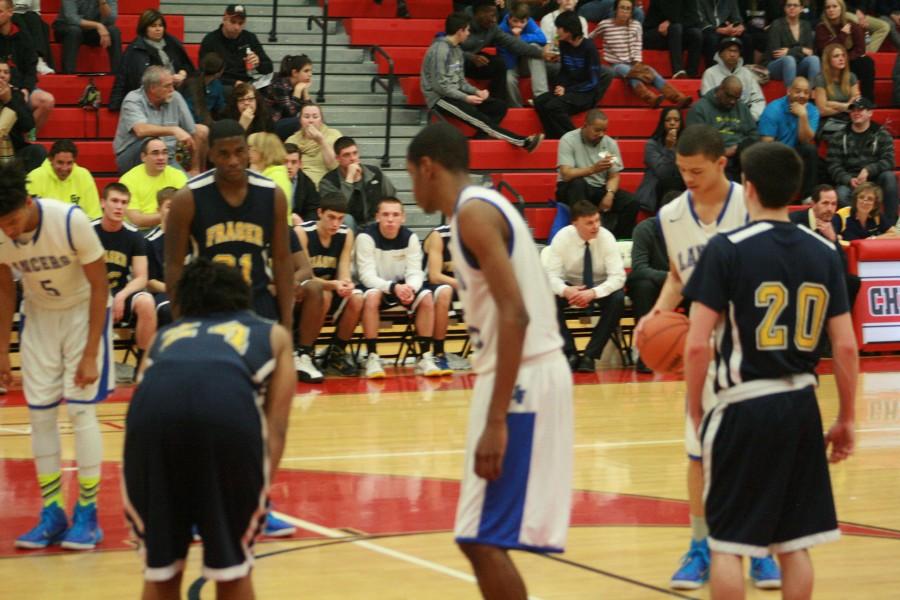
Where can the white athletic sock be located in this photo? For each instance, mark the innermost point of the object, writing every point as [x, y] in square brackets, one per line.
[88, 443]
[699, 530]
[45, 440]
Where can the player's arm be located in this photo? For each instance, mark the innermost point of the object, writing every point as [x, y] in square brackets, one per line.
[178, 231]
[434, 250]
[95, 272]
[282, 265]
[846, 369]
[343, 281]
[279, 394]
[485, 232]
[142, 220]
[697, 355]
[7, 310]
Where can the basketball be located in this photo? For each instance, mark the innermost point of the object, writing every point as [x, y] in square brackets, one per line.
[661, 343]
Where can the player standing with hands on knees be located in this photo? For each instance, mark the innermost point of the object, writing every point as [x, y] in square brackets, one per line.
[65, 350]
[767, 292]
[516, 489]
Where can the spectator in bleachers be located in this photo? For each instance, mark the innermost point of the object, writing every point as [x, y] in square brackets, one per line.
[402, 10]
[673, 25]
[60, 177]
[729, 62]
[600, 10]
[589, 162]
[649, 268]
[811, 11]
[586, 272]
[267, 158]
[203, 90]
[793, 121]
[723, 109]
[17, 50]
[519, 24]
[152, 46]
[548, 23]
[156, 277]
[157, 110]
[661, 174]
[389, 267]
[304, 196]
[146, 180]
[245, 58]
[722, 19]
[316, 141]
[889, 12]
[484, 32]
[328, 244]
[576, 85]
[289, 93]
[88, 22]
[863, 152]
[789, 49]
[447, 91]
[876, 29]
[864, 218]
[126, 267]
[16, 121]
[622, 50]
[28, 17]
[363, 186]
[441, 279]
[758, 16]
[835, 27]
[835, 88]
[248, 107]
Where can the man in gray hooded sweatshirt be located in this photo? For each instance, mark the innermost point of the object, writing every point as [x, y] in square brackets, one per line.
[729, 62]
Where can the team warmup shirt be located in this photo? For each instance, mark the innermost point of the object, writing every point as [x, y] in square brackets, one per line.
[324, 259]
[120, 247]
[381, 262]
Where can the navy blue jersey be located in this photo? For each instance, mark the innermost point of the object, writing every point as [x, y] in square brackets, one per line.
[324, 259]
[236, 345]
[294, 244]
[120, 247]
[777, 285]
[447, 261]
[155, 241]
[240, 236]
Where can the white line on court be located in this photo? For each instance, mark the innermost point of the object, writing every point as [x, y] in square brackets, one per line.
[415, 560]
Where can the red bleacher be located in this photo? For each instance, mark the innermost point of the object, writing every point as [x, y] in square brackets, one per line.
[418, 9]
[126, 7]
[127, 24]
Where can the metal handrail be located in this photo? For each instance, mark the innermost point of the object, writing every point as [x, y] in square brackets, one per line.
[520, 200]
[387, 83]
[323, 23]
[273, 33]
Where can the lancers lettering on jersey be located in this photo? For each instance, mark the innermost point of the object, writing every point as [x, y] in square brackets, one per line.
[42, 263]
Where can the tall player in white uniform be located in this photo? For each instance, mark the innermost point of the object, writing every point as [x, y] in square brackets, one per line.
[711, 204]
[65, 347]
[516, 489]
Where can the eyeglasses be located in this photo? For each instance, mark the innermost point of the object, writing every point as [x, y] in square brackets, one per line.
[792, 5]
[247, 99]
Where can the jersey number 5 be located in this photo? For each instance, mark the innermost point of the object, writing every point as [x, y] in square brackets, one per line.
[812, 298]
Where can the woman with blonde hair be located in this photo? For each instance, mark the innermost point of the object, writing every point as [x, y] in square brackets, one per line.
[267, 158]
[836, 28]
[835, 88]
[316, 141]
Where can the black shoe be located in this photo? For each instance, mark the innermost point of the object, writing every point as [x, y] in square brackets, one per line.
[640, 367]
[533, 141]
[338, 362]
[585, 364]
[572, 359]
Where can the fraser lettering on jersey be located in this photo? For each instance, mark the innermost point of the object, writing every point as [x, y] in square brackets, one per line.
[235, 231]
[42, 263]
[322, 261]
[688, 257]
[884, 301]
[117, 258]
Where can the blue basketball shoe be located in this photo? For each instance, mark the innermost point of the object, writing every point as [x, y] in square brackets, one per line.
[765, 573]
[694, 569]
[84, 534]
[49, 530]
[275, 527]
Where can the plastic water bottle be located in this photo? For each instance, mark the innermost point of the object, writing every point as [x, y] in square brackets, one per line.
[251, 70]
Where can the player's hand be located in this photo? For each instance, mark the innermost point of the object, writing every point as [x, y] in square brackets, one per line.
[639, 328]
[118, 308]
[841, 438]
[404, 293]
[5, 370]
[490, 451]
[344, 288]
[480, 60]
[696, 417]
[86, 373]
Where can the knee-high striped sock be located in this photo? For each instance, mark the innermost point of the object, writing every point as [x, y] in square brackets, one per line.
[51, 489]
[88, 487]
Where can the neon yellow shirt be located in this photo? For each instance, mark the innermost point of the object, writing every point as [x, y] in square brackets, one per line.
[144, 188]
[279, 174]
[78, 188]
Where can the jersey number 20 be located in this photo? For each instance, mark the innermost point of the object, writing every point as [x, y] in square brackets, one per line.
[812, 298]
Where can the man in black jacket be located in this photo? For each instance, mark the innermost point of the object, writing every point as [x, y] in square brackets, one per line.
[362, 185]
[305, 198]
[245, 58]
[15, 123]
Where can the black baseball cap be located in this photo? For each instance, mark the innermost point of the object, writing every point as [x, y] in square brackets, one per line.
[236, 10]
[730, 41]
[861, 103]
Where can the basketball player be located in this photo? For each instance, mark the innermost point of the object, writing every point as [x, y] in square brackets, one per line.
[438, 267]
[65, 347]
[126, 266]
[766, 291]
[516, 489]
[237, 217]
[711, 204]
[329, 246]
[199, 449]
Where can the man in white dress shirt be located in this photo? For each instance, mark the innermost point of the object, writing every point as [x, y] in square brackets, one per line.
[586, 271]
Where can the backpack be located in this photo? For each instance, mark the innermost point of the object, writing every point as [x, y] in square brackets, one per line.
[90, 97]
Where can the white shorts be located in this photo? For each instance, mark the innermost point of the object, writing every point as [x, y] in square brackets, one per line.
[691, 441]
[51, 345]
[528, 507]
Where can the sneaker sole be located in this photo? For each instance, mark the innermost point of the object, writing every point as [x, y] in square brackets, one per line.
[280, 532]
[376, 376]
[431, 374]
[767, 584]
[25, 545]
[307, 379]
[80, 545]
[686, 585]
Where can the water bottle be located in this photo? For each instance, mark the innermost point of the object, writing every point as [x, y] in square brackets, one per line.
[251, 70]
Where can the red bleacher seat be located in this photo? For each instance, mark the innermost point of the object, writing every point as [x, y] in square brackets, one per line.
[623, 122]
[96, 60]
[541, 187]
[67, 89]
[126, 7]
[496, 155]
[384, 32]
[128, 25]
[94, 155]
[418, 9]
[540, 220]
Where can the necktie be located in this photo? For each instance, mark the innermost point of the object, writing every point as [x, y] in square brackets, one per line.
[587, 276]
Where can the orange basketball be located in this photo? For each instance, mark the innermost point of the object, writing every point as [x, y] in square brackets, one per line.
[661, 342]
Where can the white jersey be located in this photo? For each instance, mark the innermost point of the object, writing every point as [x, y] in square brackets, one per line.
[686, 236]
[50, 258]
[542, 335]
